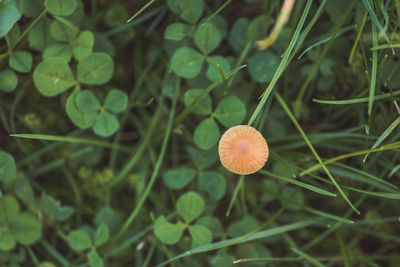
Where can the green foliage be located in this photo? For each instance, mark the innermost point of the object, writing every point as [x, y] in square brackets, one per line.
[109, 149]
[9, 15]
[8, 169]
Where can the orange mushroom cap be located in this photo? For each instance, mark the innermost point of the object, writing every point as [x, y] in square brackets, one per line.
[243, 150]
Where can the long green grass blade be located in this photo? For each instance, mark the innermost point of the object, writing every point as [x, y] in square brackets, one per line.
[73, 140]
[373, 72]
[295, 122]
[357, 100]
[354, 154]
[383, 136]
[234, 196]
[327, 215]
[353, 49]
[282, 66]
[157, 167]
[307, 257]
[299, 183]
[141, 10]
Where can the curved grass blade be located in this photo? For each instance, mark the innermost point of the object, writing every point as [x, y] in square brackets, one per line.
[282, 66]
[373, 72]
[234, 196]
[295, 122]
[300, 184]
[235, 241]
[385, 46]
[157, 167]
[362, 152]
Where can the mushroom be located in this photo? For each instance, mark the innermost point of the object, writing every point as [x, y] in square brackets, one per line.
[243, 150]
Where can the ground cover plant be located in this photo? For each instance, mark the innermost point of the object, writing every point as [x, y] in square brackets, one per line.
[111, 112]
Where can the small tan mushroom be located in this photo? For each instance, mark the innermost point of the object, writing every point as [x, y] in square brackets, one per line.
[243, 150]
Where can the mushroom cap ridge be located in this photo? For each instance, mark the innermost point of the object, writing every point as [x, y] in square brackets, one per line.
[243, 150]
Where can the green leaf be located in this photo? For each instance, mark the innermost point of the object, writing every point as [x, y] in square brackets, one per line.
[238, 35]
[62, 51]
[230, 111]
[53, 76]
[189, 10]
[213, 73]
[60, 7]
[262, 66]
[9, 15]
[96, 68]
[21, 61]
[200, 234]
[204, 107]
[242, 227]
[39, 36]
[87, 102]
[207, 38]
[213, 224]
[30, 8]
[222, 259]
[80, 119]
[168, 233]
[186, 62]
[206, 134]
[116, 101]
[176, 31]
[25, 192]
[258, 28]
[9, 209]
[8, 170]
[7, 241]
[178, 178]
[102, 235]
[79, 240]
[204, 159]
[292, 197]
[26, 228]
[94, 259]
[83, 45]
[54, 208]
[8, 80]
[213, 184]
[106, 124]
[109, 217]
[64, 32]
[190, 205]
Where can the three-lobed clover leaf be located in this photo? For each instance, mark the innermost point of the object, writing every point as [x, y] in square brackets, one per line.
[16, 226]
[189, 10]
[229, 112]
[85, 110]
[189, 206]
[80, 240]
[97, 68]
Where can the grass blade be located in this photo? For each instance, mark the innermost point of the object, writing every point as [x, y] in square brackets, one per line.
[385, 134]
[73, 140]
[282, 66]
[373, 72]
[157, 167]
[300, 184]
[291, 116]
[357, 100]
[307, 257]
[141, 10]
[354, 154]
